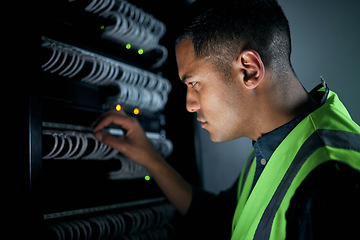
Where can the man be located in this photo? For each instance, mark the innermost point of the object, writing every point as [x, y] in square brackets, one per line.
[302, 179]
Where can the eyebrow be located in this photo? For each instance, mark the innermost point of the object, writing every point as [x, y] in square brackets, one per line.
[184, 78]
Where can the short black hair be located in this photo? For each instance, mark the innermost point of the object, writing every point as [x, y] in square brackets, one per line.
[222, 29]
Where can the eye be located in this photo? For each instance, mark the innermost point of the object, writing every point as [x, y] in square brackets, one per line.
[192, 84]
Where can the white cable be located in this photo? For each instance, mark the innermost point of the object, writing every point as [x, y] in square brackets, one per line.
[53, 60]
[67, 154]
[64, 52]
[74, 56]
[75, 68]
[105, 71]
[93, 61]
[54, 51]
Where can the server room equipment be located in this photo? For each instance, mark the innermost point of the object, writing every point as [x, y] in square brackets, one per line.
[97, 56]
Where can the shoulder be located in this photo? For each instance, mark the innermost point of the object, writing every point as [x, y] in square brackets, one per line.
[326, 203]
[331, 177]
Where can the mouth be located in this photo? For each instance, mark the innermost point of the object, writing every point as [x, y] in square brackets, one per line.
[202, 122]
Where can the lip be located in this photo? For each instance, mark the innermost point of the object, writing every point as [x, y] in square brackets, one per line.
[203, 123]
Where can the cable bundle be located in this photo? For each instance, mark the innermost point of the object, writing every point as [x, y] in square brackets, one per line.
[81, 145]
[146, 223]
[133, 27]
[135, 96]
[129, 170]
[138, 87]
[75, 145]
[75, 142]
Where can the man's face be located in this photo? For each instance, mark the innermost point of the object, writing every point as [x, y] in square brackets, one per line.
[218, 99]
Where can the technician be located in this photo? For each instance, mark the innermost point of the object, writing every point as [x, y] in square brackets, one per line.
[302, 178]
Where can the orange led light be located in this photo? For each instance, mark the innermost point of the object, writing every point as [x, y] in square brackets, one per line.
[136, 111]
[118, 107]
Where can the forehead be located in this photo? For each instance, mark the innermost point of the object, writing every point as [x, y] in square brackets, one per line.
[185, 56]
[188, 63]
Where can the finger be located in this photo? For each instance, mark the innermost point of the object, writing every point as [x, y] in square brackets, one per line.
[117, 118]
[104, 115]
[112, 141]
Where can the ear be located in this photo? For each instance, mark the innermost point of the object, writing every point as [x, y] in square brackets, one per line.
[250, 68]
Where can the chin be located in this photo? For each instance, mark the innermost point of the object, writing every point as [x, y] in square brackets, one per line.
[221, 137]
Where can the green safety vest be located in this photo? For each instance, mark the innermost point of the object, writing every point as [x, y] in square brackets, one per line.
[327, 134]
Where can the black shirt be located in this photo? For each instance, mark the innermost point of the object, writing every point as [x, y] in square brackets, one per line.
[325, 206]
[265, 146]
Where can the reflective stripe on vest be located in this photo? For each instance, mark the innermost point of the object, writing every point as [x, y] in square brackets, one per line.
[245, 173]
[327, 134]
[331, 138]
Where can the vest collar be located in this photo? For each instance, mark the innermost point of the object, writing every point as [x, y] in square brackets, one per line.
[265, 146]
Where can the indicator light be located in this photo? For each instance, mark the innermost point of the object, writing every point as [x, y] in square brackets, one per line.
[136, 111]
[147, 177]
[118, 107]
[128, 46]
[140, 51]
[102, 27]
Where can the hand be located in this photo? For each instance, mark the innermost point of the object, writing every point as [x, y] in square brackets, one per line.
[135, 145]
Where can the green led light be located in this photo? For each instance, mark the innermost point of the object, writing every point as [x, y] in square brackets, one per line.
[128, 46]
[102, 27]
[147, 178]
[140, 51]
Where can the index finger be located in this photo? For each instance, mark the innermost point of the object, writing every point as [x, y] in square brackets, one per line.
[111, 117]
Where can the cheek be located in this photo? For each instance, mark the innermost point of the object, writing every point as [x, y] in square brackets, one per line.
[230, 115]
[221, 109]
[212, 105]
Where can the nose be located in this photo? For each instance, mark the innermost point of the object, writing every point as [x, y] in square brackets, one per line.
[192, 101]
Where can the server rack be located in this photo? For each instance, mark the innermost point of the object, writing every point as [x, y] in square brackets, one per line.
[98, 56]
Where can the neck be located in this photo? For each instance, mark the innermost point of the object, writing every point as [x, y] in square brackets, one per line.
[282, 101]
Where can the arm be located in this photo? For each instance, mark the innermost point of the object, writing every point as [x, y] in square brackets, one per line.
[326, 204]
[209, 211]
[136, 146]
